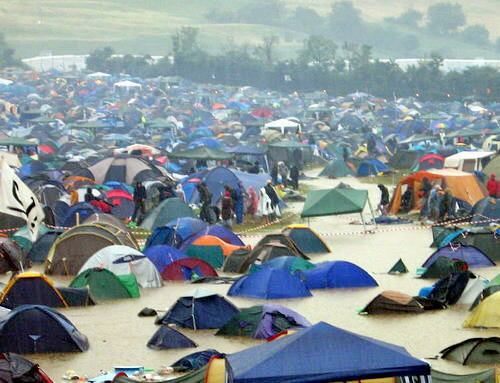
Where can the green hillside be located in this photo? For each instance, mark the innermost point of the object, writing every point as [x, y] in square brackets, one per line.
[34, 27]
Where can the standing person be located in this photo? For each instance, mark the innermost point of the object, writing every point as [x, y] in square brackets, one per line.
[227, 207]
[205, 200]
[273, 197]
[274, 173]
[384, 199]
[89, 196]
[447, 205]
[294, 176]
[252, 201]
[140, 202]
[180, 193]
[424, 193]
[283, 172]
[238, 196]
[433, 202]
[492, 186]
[345, 154]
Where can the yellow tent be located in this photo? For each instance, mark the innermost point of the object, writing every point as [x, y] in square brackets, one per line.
[486, 313]
[216, 371]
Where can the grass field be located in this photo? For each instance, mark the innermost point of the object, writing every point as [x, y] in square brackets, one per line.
[35, 27]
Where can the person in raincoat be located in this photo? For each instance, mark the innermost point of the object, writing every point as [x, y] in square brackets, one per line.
[227, 207]
[238, 197]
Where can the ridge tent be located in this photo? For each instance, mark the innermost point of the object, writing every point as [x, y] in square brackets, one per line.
[74, 247]
[162, 256]
[306, 239]
[335, 169]
[31, 288]
[269, 284]
[12, 257]
[262, 322]
[199, 311]
[463, 186]
[398, 268]
[32, 329]
[322, 353]
[474, 351]
[469, 254]
[486, 314]
[187, 269]
[167, 338]
[124, 260]
[338, 274]
[103, 284]
[393, 302]
[167, 211]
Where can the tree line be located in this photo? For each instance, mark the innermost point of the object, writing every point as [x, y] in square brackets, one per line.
[319, 65]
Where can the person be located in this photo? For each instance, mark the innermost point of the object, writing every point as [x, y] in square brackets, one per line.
[205, 200]
[492, 186]
[237, 195]
[345, 154]
[89, 196]
[227, 207]
[273, 197]
[255, 168]
[283, 172]
[252, 201]
[274, 173]
[434, 200]
[180, 193]
[264, 208]
[424, 197]
[74, 198]
[406, 199]
[140, 202]
[384, 199]
[294, 176]
[447, 206]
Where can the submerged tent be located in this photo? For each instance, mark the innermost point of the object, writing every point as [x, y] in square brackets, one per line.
[322, 353]
[338, 274]
[199, 311]
[442, 267]
[16, 369]
[486, 314]
[187, 269]
[288, 263]
[474, 351]
[218, 231]
[486, 211]
[269, 283]
[263, 322]
[167, 337]
[32, 329]
[306, 239]
[162, 256]
[398, 268]
[167, 211]
[488, 376]
[393, 301]
[103, 284]
[12, 257]
[469, 254]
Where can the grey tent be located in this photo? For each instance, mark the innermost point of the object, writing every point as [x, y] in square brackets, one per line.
[167, 211]
[474, 351]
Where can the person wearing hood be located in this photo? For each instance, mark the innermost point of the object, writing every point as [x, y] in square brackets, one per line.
[384, 199]
[492, 186]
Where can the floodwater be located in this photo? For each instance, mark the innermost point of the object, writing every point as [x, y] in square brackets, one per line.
[118, 336]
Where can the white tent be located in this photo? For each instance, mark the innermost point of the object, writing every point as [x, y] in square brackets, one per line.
[123, 260]
[98, 76]
[472, 290]
[282, 125]
[128, 85]
[4, 81]
[467, 161]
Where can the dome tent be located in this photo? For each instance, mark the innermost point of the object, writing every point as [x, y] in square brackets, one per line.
[167, 337]
[338, 274]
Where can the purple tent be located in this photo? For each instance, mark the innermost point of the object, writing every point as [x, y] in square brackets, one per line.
[469, 254]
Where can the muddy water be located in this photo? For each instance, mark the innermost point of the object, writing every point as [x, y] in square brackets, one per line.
[118, 336]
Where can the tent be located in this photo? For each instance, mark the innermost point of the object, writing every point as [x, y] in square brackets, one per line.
[469, 254]
[306, 239]
[218, 231]
[486, 314]
[338, 274]
[201, 153]
[73, 248]
[474, 351]
[371, 167]
[464, 186]
[489, 376]
[493, 167]
[473, 290]
[210, 240]
[430, 161]
[40, 249]
[233, 263]
[73, 215]
[398, 268]
[124, 260]
[162, 256]
[467, 161]
[283, 240]
[335, 169]
[167, 338]
[16, 369]
[103, 284]
[210, 254]
[123, 203]
[32, 288]
[393, 302]
[485, 240]
[199, 311]
[266, 252]
[269, 283]
[322, 353]
[32, 329]
[187, 269]
[288, 263]
[442, 267]
[12, 257]
[196, 360]
[263, 322]
[487, 209]
[167, 211]
[450, 288]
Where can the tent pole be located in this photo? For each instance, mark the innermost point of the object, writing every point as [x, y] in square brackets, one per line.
[371, 211]
[363, 220]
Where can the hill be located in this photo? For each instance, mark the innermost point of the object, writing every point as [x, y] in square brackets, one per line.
[34, 27]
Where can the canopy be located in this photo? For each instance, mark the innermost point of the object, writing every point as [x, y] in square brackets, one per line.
[322, 353]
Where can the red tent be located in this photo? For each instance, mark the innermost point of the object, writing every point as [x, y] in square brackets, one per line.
[186, 268]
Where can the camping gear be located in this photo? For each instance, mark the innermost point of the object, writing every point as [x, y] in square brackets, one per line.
[187, 269]
[486, 314]
[167, 337]
[12, 257]
[306, 239]
[167, 211]
[398, 268]
[16, 369]
[469, 254]
[103, 284]
[288, 263]
[396, 302]
[474, 351]
[442, 267]
[195, 361]
[338, 274]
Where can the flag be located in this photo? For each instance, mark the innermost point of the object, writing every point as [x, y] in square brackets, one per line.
[18, 200]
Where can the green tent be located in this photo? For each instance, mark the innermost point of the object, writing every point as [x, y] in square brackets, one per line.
[488, 376]
[340, 200]
[103, 284]
[493, 167]
[201, 153]
[165, 212]
[398, 268]
[210, 254]
[474, 351]
[442, 267]
[485, 240]
[336, 168]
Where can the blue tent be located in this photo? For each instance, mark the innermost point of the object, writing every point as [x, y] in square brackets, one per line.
[167, 337]
[202, 310]
[322, 353]
[269, 283]
[196, 360]
[83, 209]
[338, 274]
[469, 254]
[40, 249]
[163, 255]
[163, 236]
[486, 209]
[38, 329]
[451, 238]
[371, 167]
[186, 227]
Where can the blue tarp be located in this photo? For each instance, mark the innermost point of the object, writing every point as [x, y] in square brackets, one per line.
[269, 283]
[322, 353]
[338, 274]
[469, 254]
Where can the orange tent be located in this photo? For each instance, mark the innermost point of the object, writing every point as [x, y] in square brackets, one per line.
[210, 240]
[75, 182]
[464, 186]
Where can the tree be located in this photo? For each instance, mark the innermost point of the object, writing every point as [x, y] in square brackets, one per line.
[307, 20]
[345, 21]
[476, 34]
[185, 42]
[318, 51]
[7, 58]
[265, 51]
[269, 12]
[99, 60]
[497, 44]
[410, 18]
[444, 18]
